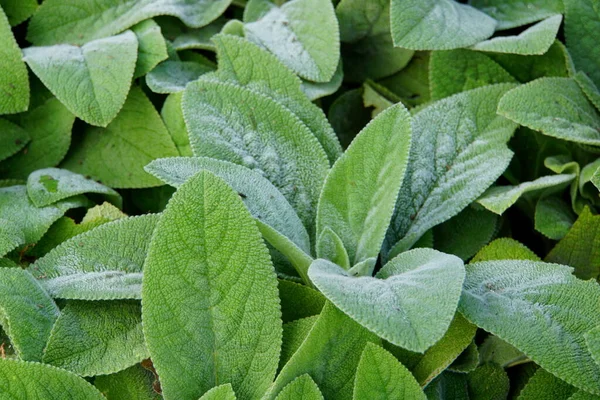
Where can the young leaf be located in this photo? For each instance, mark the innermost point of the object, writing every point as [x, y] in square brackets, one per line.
[28, 313]
[79, 21]
[49, 126]
[13, 139]
[330, 355]
[235, 124]
[331, 247]
[301, 388]
[387, 304]
[261, 71]
[458, 150]
[505, 249]
[152, 48]
[219, 321]
[49, 185]
[116, 155]
[303, 34]
[29, 380]
[452, 72]
[97, 338]
[582, 24]
[104, 263]
[134, 383]
[222, 392]
[173, 76]
[514, 13]
[380, 376]
[360, 191]
[92, 81]
[556, 107]
[438, 24]
[535, 40]
[530, 305]
[14, 81]
[543, 385]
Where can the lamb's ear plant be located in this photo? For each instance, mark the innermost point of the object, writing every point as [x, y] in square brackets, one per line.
[301, 199]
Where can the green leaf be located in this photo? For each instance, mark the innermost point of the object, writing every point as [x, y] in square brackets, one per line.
[580, 247]
[458, 150]
[535, 40]
[438, 24]
[592, 339]
[301, 388]
[262, 199]
[330, 355]
[488, 382]
[116, 155]
[454, 71]
[299, 301]
[582, 25]
[29, 380]
[222, 392]
[184, 38]
[49, 185]
[100, 264]
[530, 305]
[553, 217]
[380, 376]
[513, 13]
[589, 88]
[498, 199]
[467, 361]
[556, 107]
[505, 249]
[11, 236]
[172, 115]
[294, 334]
[152, 48]
[316, 90]
[221, 304]
[543, 385]
[14, 81]
[448, 386]
[16, 207]
[412, 82]
[330, 247]
[239, 125]
[92, 81]
[387, 304]
[173, 76]
[49, 126]
[360, 191]
[581, 395]
[134, 383]
[367, 47]
[261, 71]
[79, 21]
[303, 34]
[496, 351]
[27, 313]
[97, 338]
[13, 139]
[18, 11]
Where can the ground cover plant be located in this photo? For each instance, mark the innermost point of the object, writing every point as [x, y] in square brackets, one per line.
[303, 199]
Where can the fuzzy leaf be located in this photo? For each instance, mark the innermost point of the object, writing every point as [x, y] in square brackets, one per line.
[514, 13]
[104, 263]
[14, 81]
[92, 81]
[589, 88]
[299, 301]
[488, 382]
[134, 383]
[173, 76]
[13, 138]
[218, 321]
[301, 388]
[505, 249]
[11, 236]
[582, 25]
[543, 385]
[553, 217]
[221, 392]
[496, 351]
[152, 48]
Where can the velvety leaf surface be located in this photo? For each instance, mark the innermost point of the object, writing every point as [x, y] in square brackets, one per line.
[553, 217]
[172, 115]
[134, 383]
[104, 263]
[496, 351]
[173, 76]
[544, 385]
[92, 81]
[489, 382]
[582, 24]
[221, 392]
[513, 13]
[505, 249]
[152, 48]
[589, 88]
[209, 302]
[11, 236]
[14, 82]
[301, 388]
[13, 138]
[299, 301]
[294, 334]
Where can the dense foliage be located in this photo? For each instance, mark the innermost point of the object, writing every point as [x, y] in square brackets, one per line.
[357, 199]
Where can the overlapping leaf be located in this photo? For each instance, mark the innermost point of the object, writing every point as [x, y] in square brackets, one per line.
[14, 82]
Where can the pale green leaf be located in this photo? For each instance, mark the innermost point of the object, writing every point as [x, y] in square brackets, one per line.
[330, 355]
[556, 107]
[513, 13]
[259, 70]
[582, 25]
[360, 191]
[543, 385]
[380, 376]
[454, 71]
[184, 38]
[14, 81]
[134, 383]
[553, 217]
[497, 351]
[79, 21]
[331, 247]
[172, 115]
[316, 90]
[376, 97]
[18, 11]
[222, 392]
[301, 388]
[412, 82]
[11, 236]
[438, 24]
[498, 199]
[488, 382]
[29, 380]
[12, 139]
[458, 150]
[589, 88]
[592, 338]
[173, 76]
[49, 185]
[239, 125]
[97, 338]
[116, 155]
[387, 304]
[104, 263]
[27, 313]
[92, 81]
[303, 34]
[505, 249]
[294, 334]
[535, 40]
[152, 48]
[299, 301]
[209, 300]
[49, 126]
[530, 305]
